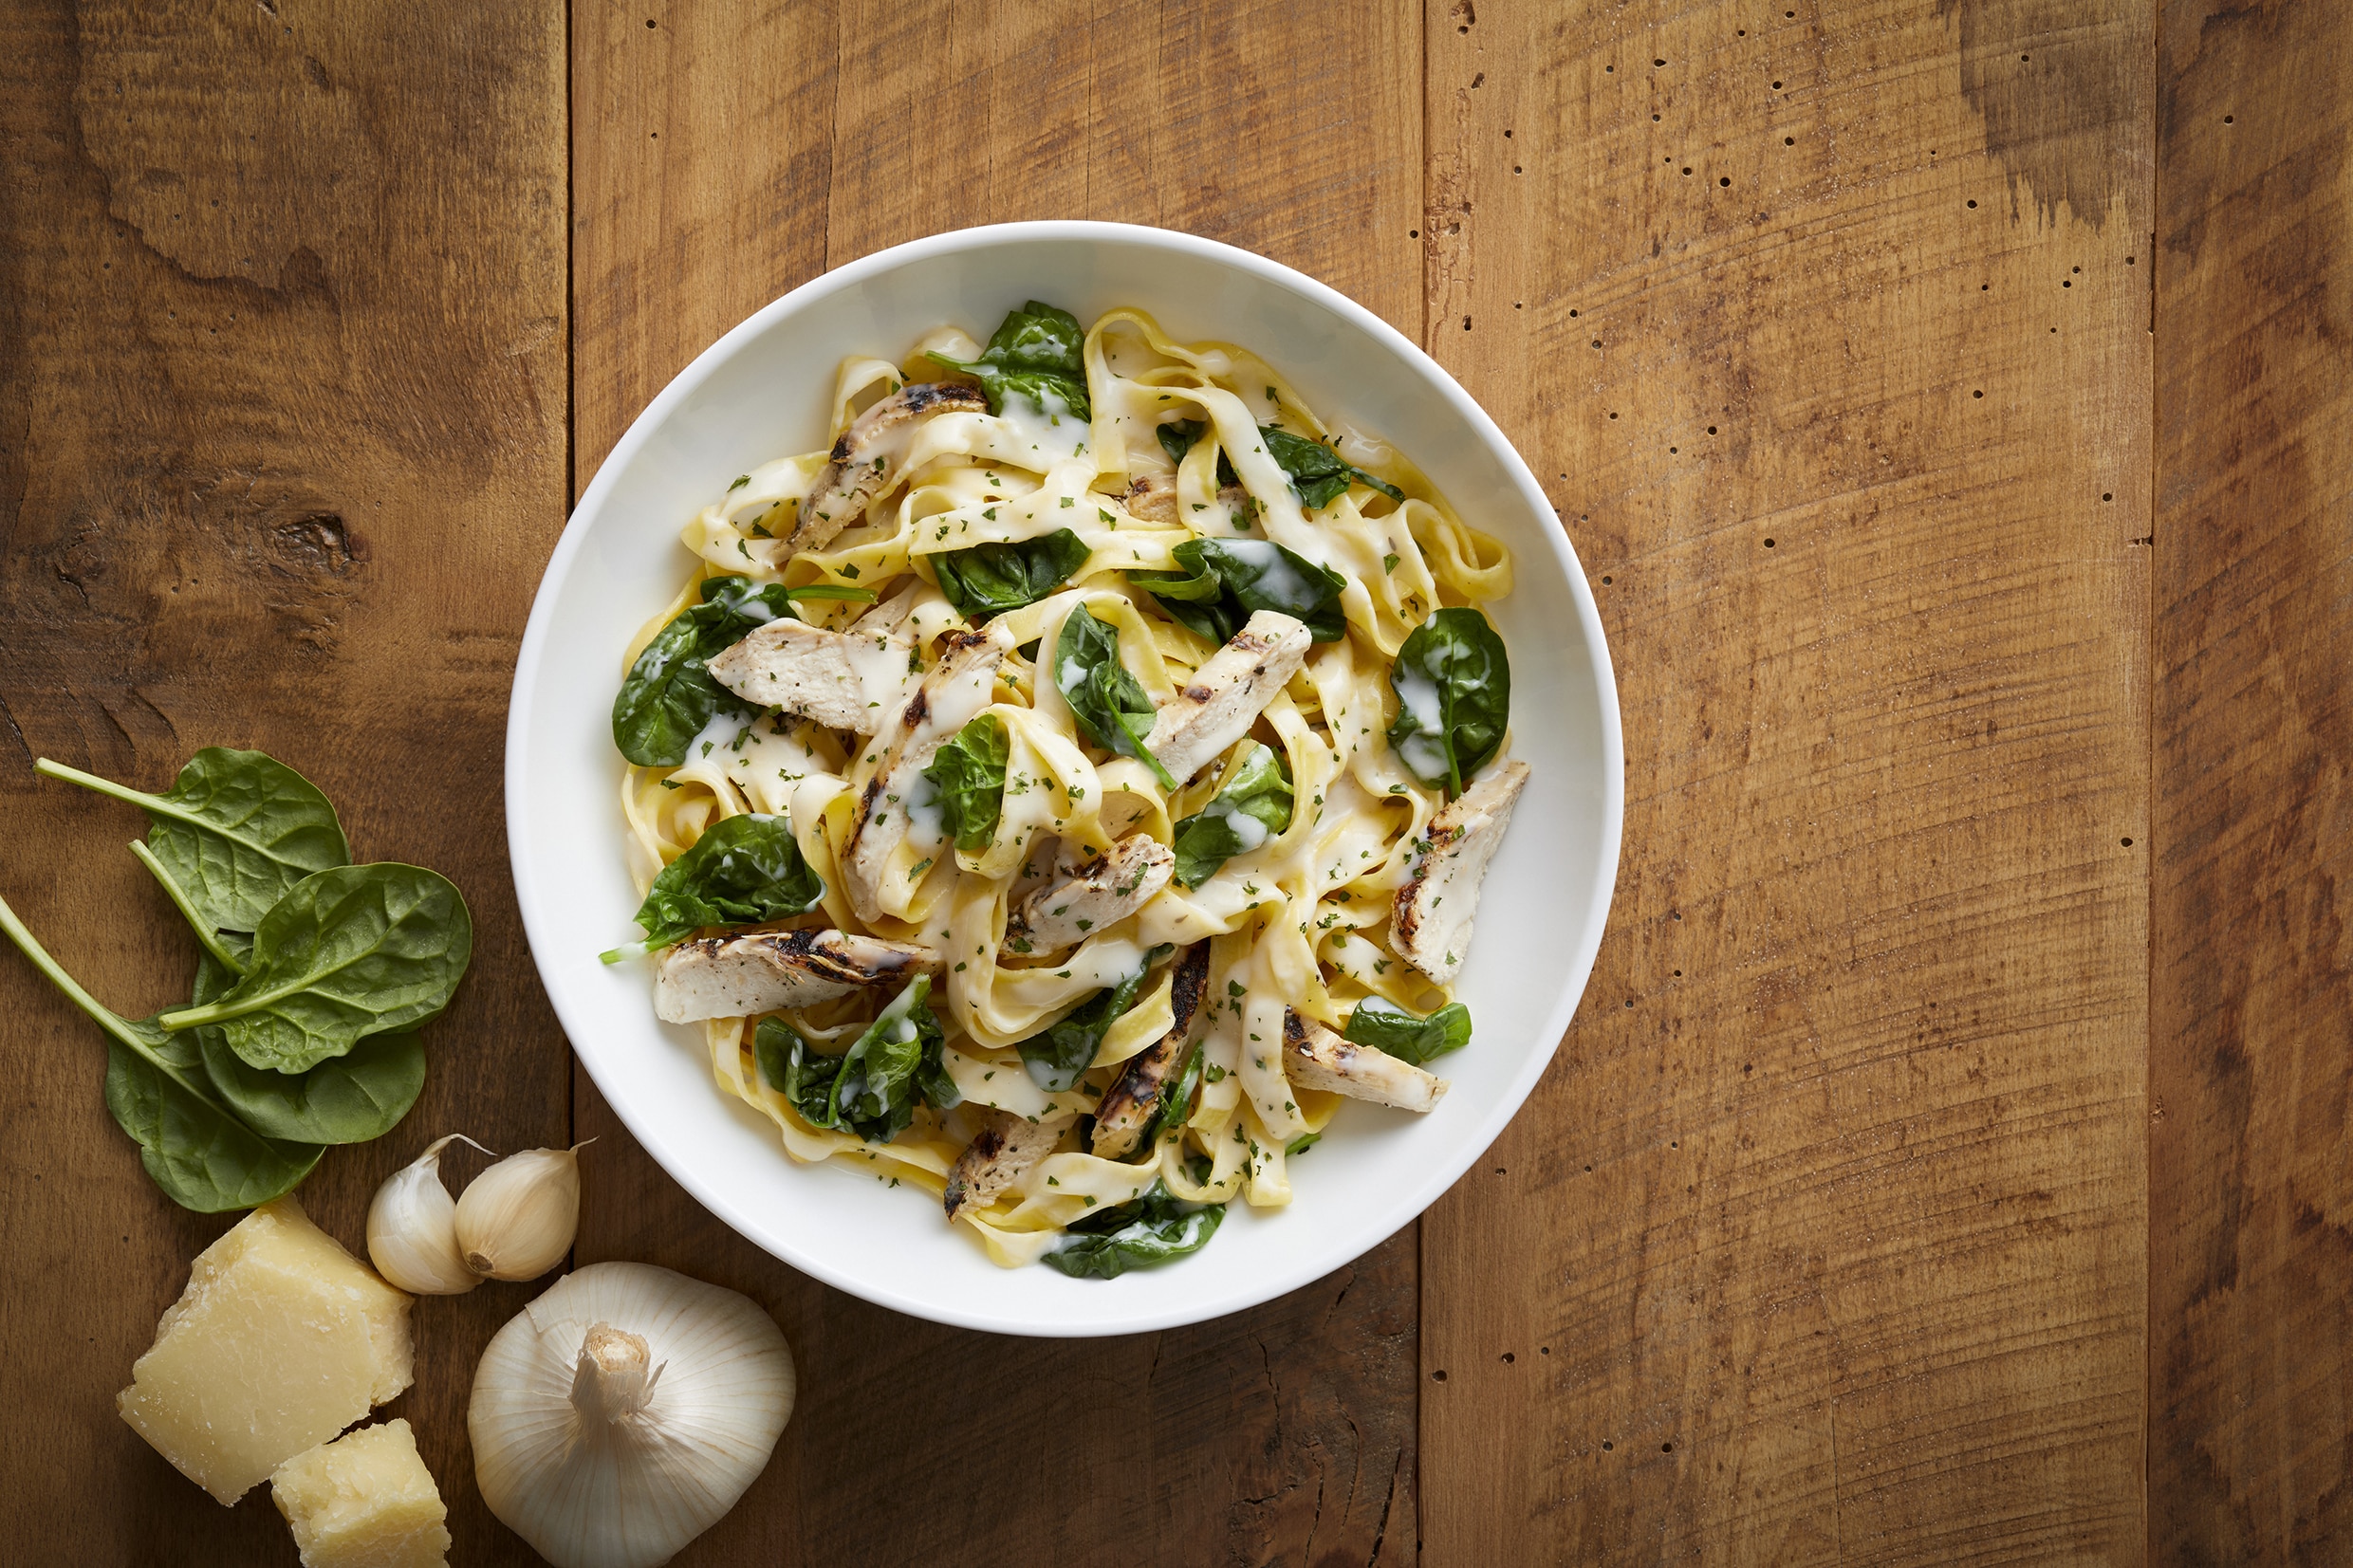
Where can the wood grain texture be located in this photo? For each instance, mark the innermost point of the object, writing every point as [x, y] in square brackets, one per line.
[282, 389]
[1283, 1435]
[2250, 1269]
[1827, 326]
[1846, 1224]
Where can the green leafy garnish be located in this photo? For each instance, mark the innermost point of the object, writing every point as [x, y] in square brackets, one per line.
[989, 579]
[235, 831]
[1175, 1103]
[191, 1147]
[1038, 352]
[1111, 706]
[349, 1099]
[1225, 580]
[350, 952]
[1177, 437]
[1248, 812]
[872, 1088]
[1318, 473]
[1153, 1229]
[1452, 679]
[667, 696]
[1301, 1144]
[1057, 1054]
[742, 871]
[968, 774]
[1385, 1026]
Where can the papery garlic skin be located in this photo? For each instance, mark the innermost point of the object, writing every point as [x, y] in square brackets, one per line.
[516, 1220]
[412, 1227]
[622, 1414]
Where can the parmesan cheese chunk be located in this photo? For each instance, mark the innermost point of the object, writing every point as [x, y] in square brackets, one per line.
[280, 1340]
[363, 1501]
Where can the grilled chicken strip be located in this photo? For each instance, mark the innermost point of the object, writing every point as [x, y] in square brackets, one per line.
[1227, 694]
[1005, 1146]
[1314, 1058]
[1153, 498]
[861, 461]
[843, 680]
[1097, 892]
[737, 976]
[1430, 921]
[959, 687]
[1135, 1094]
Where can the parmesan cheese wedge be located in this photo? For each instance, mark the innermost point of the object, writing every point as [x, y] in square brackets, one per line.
[280, 1340]
[363, 1501]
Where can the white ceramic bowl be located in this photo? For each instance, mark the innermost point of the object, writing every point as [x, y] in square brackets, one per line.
[761, 393]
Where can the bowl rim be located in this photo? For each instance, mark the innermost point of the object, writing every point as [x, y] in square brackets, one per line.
[1176, 1310]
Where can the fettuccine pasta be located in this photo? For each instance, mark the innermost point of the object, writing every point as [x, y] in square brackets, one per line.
[1118, 747]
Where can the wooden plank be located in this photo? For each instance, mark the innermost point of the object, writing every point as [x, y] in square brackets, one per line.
[282, 373]
[1828, 324]
[1284, 1434]
[2251, 1203]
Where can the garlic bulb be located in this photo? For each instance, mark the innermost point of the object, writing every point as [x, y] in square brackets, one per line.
[516, 1220]
[622, 1415]
[412, 1227]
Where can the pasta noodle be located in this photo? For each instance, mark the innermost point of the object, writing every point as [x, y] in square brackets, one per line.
[1067, 526]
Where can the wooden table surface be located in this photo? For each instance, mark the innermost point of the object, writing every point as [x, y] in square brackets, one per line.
[1948, 399]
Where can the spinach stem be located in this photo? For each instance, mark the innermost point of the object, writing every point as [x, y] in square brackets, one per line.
[105, 787]
[620, 954]
[211, 938]
[104, 1017]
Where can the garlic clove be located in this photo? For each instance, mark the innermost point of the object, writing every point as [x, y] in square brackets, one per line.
[516, 1220]
[625, 1411]
[412, 1231]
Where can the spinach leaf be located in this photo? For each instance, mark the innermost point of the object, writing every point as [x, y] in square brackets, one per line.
[354, 951]
[1110, 704]
[1038, 352]
[871, 1089]
[1177, 438]
[740, 872]
[1248, 812]
[1175, 1106]
[1385, 1026]
[667, 696]
[1195, 599]
[235, 832]
[968, 774]
[989, 579]
[1453, 683]
[875, 1087]
[1259, 575]
[1225, 580]
[1057, 1054]
[787, 1065]
[1318, 473]
[1154, 1228]
[345, 1099]
[202, 1157]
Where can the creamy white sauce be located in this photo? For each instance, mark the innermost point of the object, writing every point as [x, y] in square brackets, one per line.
[1248, 830]
[927, 828]
[1048, 434]
[882, 667]
[1277, 576]
[755, 757]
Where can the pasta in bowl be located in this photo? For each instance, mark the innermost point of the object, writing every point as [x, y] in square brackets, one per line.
[1064, 788]
[769, 387]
